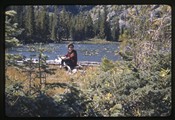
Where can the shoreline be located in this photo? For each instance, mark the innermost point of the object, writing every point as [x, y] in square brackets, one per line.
[90, 41]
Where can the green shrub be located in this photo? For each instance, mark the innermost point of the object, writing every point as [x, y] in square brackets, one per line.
[106, 64]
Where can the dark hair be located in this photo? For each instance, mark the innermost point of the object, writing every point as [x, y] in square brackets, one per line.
[70, 44]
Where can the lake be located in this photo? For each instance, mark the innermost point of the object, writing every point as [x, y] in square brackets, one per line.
[86, 52]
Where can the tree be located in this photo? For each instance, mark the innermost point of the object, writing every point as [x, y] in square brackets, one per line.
[102, 28]
[77, 28]
[54, 23]
[105, 30]
[42, 33]
[97, 25]
[150, 33]
[19, 17]
[64, 25]
[30, 21]
[11, 30]
[89, 31]
[115, 31]
[44, 26]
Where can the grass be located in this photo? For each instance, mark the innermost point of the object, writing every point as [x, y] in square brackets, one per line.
[115, 92]
[60, 77]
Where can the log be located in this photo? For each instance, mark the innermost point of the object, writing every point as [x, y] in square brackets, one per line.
[88, 63]
[57, 62]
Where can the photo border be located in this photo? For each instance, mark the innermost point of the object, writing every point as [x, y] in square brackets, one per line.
[6, 3]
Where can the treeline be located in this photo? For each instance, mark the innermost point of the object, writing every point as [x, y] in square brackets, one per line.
[43, 24]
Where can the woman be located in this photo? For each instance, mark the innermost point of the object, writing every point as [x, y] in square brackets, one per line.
[70, 58]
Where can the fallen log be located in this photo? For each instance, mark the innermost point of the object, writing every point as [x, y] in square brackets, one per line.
[88, 63]
[58, 62]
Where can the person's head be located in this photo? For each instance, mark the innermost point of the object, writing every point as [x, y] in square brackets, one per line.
[70, 46]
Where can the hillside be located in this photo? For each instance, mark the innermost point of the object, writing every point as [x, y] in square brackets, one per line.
[83, 22]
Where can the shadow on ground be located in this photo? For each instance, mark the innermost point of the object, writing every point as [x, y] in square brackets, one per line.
[70, 104]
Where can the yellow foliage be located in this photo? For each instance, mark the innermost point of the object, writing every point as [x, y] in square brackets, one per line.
[108, 96]
[95, 98]
[107, 84]
[137, 112]
[116, 107]
[157, 22]
[164, 72]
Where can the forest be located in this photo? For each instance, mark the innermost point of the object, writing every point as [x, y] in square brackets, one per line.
[57, 23]
[137, 86]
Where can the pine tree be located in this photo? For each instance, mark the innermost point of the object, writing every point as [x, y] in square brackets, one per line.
[44, 20]
[107, 31]
[19, 18]
[11, 30]
[105, 28]
[80, 28]
[102, 25]
[30, 22]
[115, 31]
[65, 22]
[89, 32]
[54, 23]
[72, 27]
[67, 26]
[97, 25]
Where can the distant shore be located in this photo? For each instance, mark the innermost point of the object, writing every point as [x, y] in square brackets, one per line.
[91, 41]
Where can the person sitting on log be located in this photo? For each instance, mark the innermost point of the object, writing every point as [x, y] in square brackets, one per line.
[70, 59]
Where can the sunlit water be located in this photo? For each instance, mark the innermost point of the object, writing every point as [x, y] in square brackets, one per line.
[86, 52]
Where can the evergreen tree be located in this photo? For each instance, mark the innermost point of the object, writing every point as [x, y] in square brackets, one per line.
[107, 27]
[89, 32]
[65, 22]
[115, 31]
[80, 28]
[11, 30]
[107, 31]
[97, 25]
[44, 20]
[29, 21]
[102, 25]
[72, 27]
[54, 23]
[67, 25]
[18, 17]
[45, 23]
[77, 28]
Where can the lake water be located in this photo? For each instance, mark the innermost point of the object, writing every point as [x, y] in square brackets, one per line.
[86, 52]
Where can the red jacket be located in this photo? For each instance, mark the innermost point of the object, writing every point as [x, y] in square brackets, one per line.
[73, 56]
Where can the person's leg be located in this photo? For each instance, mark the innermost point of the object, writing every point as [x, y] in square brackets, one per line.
[70, 64]
[67, 66]
[62, 62]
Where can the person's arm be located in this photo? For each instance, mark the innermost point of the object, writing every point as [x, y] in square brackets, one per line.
[64, 57]
[72, 55]
[69, 57]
